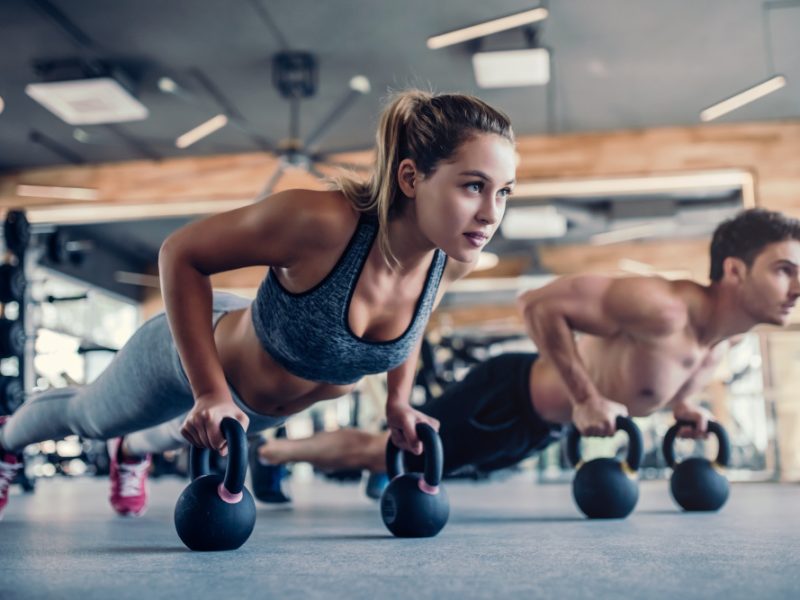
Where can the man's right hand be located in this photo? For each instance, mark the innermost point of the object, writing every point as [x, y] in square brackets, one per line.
[201, 428]
[597, 416]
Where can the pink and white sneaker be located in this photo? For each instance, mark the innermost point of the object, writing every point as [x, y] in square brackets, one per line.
[128, 481]
[10, 464]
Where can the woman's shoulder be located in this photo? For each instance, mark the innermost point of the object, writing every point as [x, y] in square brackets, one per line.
[326, 218]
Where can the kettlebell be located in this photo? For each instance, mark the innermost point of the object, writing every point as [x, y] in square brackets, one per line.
[697, 484]
[605, 488]
[414, 504]
[214, 513]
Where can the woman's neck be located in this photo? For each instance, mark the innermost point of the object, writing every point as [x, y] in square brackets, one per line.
[407, 242]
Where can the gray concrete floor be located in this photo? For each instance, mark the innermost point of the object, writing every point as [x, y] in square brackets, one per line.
[507, 539]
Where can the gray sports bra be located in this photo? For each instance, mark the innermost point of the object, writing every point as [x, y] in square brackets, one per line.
[309, 333]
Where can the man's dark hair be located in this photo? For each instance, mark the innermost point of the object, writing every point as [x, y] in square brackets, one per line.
[747, 234]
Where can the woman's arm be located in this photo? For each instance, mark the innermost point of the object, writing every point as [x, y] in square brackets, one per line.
[401, 418]
[279, 231]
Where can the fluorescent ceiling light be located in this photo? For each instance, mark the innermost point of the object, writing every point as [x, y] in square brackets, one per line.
[88, 101]
[635, 266]
[486, 261]
[52, 191]
[201, 131]
[499, 284]
[81, 135]
[643, 269]
[487, 28]
[105, 212]
[533, 223]
[512, 68]
[2, 104]
[626, 234]
[626, 186]
[745, 97]
[141, 279]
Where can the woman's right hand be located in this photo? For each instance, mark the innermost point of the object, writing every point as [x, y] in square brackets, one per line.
[201, 427]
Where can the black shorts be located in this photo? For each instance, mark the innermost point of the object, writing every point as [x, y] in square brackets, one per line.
[487, 419]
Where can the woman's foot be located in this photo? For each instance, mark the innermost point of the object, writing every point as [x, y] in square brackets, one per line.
[10, 464]
[267, 479]
[128, 476]
[376, 483]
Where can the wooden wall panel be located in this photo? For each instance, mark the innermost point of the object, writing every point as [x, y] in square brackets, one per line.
[771, 151]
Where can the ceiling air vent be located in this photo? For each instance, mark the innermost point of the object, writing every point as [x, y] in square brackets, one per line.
[88, 101]
[85, 93]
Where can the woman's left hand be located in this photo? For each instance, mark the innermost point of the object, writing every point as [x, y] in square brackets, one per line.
[402, 421]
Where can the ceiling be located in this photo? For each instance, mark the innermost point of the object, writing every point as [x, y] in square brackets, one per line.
[616, 65]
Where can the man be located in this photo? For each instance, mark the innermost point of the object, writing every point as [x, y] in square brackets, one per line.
[644, 343]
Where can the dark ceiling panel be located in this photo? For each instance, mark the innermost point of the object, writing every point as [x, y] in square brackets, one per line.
[617, 65]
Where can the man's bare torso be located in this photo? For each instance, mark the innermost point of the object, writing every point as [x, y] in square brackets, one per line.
[645, 373]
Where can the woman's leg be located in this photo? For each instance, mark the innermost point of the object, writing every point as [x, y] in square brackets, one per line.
[330, 450]
[142, 387]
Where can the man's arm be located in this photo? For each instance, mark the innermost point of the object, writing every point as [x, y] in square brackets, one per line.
[640, 307]
[683, 408]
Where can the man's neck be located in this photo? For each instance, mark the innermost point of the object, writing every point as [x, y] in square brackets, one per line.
[721, 316]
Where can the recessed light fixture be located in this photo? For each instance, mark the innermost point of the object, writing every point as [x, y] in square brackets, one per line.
[167, 85]
[512, 68]
[487, 28]
[360, 84]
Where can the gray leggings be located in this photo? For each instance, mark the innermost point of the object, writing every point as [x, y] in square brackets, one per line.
[144, 390]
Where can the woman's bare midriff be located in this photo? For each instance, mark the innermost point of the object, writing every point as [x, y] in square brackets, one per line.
[264, 385]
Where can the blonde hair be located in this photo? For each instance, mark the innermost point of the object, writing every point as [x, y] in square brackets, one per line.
[427, 128]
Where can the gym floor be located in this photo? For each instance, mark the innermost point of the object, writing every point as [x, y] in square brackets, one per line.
[505, 539]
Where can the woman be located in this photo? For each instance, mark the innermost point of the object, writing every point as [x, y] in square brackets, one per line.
[354, 274]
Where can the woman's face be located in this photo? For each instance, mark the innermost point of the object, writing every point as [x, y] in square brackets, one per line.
[459, 206]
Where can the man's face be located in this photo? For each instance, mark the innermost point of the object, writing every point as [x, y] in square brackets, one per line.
[771, 285]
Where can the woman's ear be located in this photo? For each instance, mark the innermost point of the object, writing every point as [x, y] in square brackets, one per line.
[407, 177]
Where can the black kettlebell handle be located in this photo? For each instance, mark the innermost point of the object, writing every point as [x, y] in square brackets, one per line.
[635, 443]
[432, 451]
[723, 454]
[237, 457]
